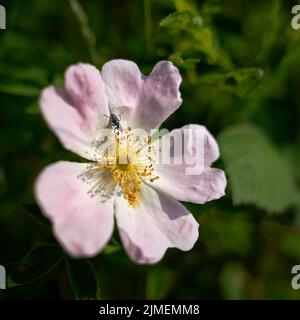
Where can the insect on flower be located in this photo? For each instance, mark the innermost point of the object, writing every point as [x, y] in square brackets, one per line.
[115, 121]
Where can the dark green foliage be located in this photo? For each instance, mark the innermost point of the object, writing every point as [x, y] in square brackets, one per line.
[240, 65]
[34, 211]
[39, 262]
[83, 279]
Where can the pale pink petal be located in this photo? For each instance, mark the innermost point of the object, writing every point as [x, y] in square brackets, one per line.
[148, 101]
[83, 225]
[123, 81]
[175, 180]
[160, 97]
[86, 90]
[208, 147]
[157, 223]
[209, 185]
[65, 121]
[76, 114]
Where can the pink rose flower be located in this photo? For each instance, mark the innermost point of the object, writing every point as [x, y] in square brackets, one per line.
[84, 201]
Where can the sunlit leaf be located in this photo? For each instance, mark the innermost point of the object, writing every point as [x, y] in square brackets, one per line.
[180, 61]
[177, 20]
[185, 5]
[244, 83]
[257, 173]
[199, 36]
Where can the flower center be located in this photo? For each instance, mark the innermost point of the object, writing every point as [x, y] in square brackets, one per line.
[123, 167]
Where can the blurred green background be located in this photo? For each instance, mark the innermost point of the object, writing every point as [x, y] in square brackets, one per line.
[240, 62]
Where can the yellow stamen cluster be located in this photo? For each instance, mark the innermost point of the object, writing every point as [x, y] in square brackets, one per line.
[130, 164]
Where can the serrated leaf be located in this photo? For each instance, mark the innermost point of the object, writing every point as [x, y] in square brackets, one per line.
[257, 173]
[83, 279]
[243, 83]
[34, 211]
[180, 61]
[39, 262]
[183, 20]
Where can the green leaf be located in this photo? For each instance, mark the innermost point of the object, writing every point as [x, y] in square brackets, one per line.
[177, 20]
[182, 62]
[244, 83]
[185, 5]
[39, 262]
[183, 20]
[34, 211]
[204, 40]
[83, 279]
[257, 173]
[158, 283]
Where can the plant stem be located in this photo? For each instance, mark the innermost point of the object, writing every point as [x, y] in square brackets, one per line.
[85, 29]
[148, 26]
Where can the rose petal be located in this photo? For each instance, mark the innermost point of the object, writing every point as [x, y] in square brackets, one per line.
[207, 186]
[160, 97]
[159, 222]
[123, 81]
[148, 101]
[83, 225]
[76, 114]
[193, 136]
[175, 178]
[64, 120]
[86, 89]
